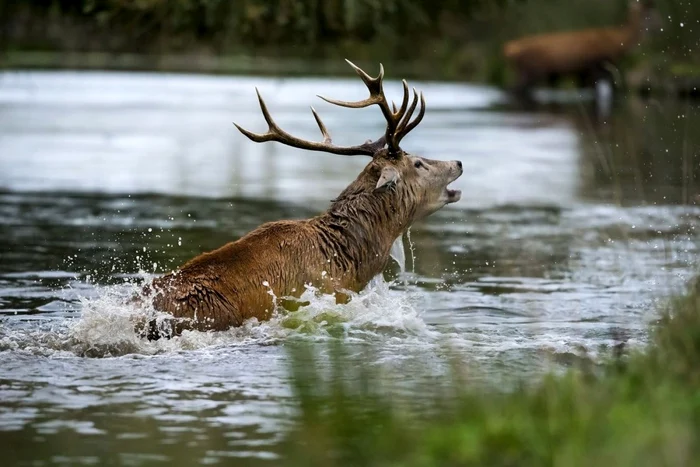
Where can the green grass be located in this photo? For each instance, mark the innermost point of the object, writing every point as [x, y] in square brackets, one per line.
[640, 408]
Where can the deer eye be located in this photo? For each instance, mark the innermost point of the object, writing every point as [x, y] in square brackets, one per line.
[418, 164]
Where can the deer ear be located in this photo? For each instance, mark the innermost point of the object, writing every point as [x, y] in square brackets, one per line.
[388, 178]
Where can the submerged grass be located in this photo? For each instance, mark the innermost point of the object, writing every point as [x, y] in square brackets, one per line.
[639, 408]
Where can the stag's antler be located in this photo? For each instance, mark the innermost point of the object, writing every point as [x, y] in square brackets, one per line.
[398, 121]
[275, 133]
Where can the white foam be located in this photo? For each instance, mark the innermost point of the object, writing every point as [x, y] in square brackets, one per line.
[106, 325]
[382, 314]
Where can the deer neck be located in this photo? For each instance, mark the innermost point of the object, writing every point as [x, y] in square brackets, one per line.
[370, 221]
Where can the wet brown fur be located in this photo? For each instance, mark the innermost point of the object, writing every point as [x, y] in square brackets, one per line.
[339, 250]
[585, 53]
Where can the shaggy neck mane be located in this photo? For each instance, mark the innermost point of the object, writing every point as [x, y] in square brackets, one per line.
[380, 213]
[361, 224]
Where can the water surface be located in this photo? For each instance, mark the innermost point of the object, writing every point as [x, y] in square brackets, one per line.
[569, 232]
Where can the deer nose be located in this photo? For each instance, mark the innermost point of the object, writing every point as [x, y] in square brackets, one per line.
[459, 164]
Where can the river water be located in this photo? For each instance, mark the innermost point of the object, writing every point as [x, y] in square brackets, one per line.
[570, 232]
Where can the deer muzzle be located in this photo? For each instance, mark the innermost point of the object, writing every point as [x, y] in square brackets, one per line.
[452, 196]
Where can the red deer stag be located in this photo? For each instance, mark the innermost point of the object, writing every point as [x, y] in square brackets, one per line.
[337, 251]
[586, 54]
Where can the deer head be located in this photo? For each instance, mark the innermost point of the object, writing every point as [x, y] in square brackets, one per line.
[409, 186]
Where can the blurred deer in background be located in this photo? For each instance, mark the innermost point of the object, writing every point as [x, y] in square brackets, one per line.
[587, 54]
[337, 251]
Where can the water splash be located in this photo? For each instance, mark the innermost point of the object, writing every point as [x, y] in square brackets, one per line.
[411, 247]
[376, 313]
[398, 253]
[107, 323]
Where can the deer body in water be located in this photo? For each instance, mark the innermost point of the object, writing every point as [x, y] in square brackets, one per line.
[587, 54]
[337, 251]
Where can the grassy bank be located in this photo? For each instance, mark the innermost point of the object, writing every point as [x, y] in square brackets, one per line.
[417, 38]
[637, 409]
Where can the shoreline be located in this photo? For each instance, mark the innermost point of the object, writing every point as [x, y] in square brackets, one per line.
[240, 64]
[681, 81]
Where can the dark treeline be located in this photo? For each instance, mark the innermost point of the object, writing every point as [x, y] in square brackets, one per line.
[464, 35]
[225, 25]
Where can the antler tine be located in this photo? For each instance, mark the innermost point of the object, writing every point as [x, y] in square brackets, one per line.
[406, 117]
[352, 105]
[322, 127]
[368, 80]
[415, 122]
[399, 115]
[275, 133]
[272, 128]
[374, 85]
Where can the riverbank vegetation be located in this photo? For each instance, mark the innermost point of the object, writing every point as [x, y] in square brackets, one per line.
[638, 408]
[418, 38]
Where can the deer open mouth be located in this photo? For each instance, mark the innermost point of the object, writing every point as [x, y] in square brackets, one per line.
[452, 195]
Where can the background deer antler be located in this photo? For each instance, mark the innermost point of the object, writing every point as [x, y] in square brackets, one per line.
[399, 122]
